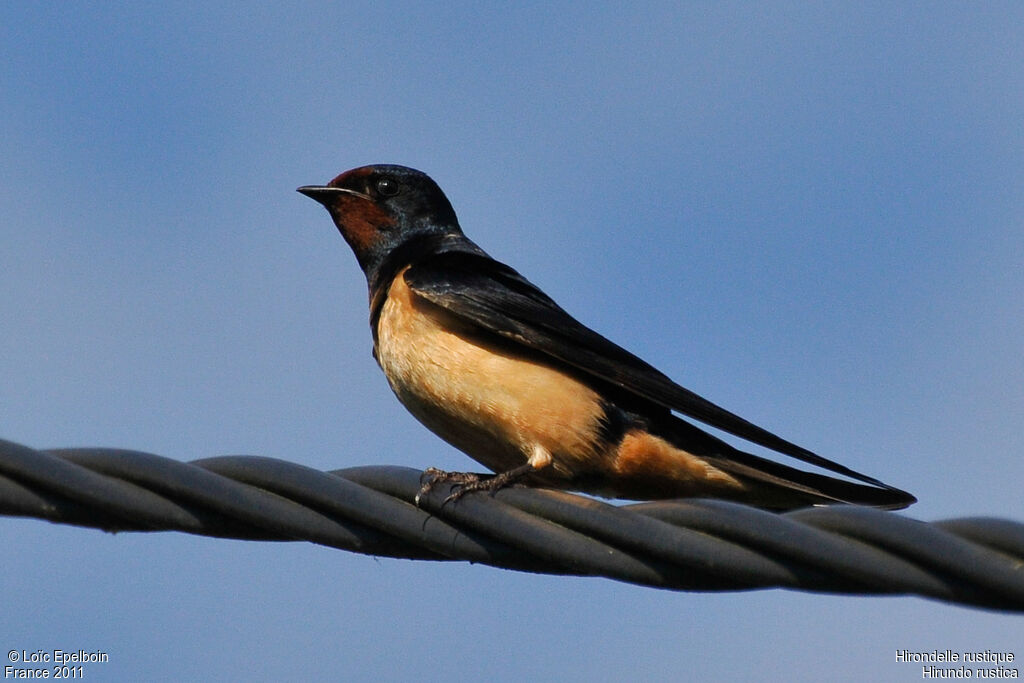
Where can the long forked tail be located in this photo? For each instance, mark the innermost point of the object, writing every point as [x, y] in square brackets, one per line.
[770, 484]
[776, 486]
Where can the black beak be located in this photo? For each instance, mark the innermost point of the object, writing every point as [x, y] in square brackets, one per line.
[324, 195]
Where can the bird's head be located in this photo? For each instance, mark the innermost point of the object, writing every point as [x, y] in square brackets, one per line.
[381, 208]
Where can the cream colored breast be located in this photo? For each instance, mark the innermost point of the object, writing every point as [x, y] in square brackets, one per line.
[486, 400]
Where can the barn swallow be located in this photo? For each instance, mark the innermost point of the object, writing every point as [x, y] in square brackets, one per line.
[495, 367]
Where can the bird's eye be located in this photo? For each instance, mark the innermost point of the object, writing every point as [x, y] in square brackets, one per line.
[386, 187]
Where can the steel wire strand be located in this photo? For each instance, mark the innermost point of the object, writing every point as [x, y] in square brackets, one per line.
[705, 545]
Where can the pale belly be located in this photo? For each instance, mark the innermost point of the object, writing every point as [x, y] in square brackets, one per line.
[497, 407]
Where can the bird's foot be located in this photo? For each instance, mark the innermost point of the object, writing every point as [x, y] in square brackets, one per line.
[468, 481]
[433, 476]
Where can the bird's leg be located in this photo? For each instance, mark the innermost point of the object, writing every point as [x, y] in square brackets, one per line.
[467, 481]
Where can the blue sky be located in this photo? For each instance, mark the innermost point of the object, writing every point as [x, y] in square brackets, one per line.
[810, 214]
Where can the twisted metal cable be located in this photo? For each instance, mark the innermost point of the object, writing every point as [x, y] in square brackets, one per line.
[701, 545]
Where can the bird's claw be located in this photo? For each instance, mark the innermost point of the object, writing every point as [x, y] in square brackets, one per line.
[468, 481]
[465, 481]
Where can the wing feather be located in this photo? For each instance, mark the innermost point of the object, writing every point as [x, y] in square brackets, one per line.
[496, 298]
